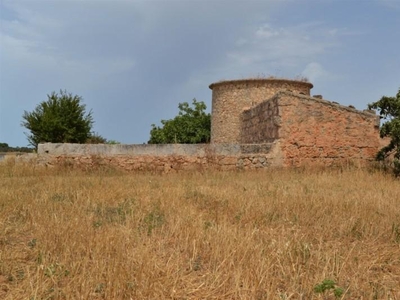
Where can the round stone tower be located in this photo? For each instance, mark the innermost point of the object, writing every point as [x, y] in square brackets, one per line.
[230, 97]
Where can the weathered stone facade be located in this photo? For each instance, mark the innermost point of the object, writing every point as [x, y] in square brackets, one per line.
[256, 123]
[163, 158]
[229, 98]
[312, 130]
[261, 123]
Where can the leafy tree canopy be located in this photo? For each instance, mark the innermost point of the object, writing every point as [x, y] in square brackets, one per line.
[60, 119]
[192, 125]
[389, 111]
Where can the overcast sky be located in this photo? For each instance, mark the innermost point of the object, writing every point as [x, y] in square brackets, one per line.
[134, 61]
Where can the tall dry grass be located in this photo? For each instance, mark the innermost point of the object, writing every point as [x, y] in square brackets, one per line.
[68, 234]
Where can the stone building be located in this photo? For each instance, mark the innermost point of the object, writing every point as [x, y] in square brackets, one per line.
[302, 128]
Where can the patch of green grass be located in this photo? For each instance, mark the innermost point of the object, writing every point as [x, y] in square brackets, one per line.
[329, 286]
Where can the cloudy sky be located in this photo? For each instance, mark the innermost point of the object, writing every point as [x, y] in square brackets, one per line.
[133, 61]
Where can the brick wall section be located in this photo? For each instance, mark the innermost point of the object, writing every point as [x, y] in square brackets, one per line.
[162, 158]
[229, 98]
[316, 131]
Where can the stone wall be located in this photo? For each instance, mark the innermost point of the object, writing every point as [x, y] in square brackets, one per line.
[261, 123]
[229, 98]
[313, 131]
[163, 158]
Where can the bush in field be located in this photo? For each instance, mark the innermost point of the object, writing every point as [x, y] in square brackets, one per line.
[60, 119]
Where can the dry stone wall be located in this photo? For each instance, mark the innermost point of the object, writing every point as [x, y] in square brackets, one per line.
[162, 158]
[260, 124]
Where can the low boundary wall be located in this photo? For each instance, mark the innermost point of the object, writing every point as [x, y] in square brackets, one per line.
[165, 158]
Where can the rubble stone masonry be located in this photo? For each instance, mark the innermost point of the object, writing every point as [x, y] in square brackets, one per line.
[162, 158]
[261, 123]
[312, 130]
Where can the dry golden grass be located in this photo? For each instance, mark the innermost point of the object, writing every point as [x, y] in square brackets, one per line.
[68, 234]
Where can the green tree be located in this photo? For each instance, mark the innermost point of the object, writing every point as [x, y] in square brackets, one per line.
[60, 119]
[192, 125]
[389, 111]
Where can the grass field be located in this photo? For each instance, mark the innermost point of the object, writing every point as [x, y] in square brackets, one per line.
[277, 234]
